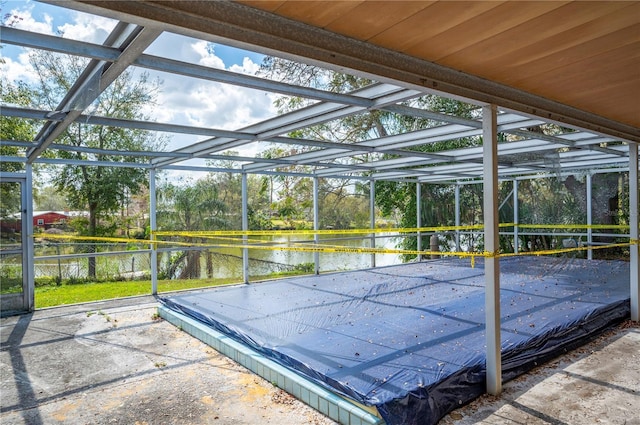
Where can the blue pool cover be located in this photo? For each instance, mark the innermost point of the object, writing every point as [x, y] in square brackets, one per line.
[410, 339]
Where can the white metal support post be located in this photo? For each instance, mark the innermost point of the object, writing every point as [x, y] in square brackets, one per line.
[153, 226]
[27, 206]
[491, 241]
[316, 226]
[372, 217]
[457, 202]
[516, 217]
[419, 218]
[633, 232]
[589, 217]
[245, 228]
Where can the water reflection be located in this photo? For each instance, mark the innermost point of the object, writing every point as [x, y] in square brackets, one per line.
[227, 261]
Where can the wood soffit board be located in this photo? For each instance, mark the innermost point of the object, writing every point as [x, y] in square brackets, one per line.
[582, 54]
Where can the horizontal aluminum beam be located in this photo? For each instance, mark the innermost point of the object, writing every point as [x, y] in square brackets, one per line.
[247, 27]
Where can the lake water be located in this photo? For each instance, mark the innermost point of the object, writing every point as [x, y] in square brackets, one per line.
[227, 262]
[263, 262]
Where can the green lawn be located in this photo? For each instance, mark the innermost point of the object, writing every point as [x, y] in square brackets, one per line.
[53, 295]
[48, 296]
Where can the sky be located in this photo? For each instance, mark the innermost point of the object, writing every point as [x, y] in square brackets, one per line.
[182, 100]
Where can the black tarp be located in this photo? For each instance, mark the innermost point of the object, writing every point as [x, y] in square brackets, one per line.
[409, 339]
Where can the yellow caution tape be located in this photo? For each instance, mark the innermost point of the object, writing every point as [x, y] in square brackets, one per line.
[307, 246]
[211, 233]
[92, 238]
[233, 235]
[111, 240]
[574, 226]
[303, 232]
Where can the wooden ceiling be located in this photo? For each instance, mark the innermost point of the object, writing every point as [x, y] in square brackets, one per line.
[582, 54]
[574, 62]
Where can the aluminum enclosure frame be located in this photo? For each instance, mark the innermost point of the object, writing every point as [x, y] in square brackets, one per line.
[591, 142]
[247, 27]
[325, 159]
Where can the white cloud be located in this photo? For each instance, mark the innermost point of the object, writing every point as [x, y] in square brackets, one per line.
[93, 29]
[182, 100]
[85, 27]
[194, 102]
[174, 46]
[209, 104]
[248, 67]
[22, 18]
[207, 55]
[189, 101]
[20, 70]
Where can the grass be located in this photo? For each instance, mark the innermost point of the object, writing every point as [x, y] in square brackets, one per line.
[53, 295]
[49, 296]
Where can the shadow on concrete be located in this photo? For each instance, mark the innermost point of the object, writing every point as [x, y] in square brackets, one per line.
[26, 392]
[50, 343]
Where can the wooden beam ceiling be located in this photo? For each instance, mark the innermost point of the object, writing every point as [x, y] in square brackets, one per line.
[582, 54]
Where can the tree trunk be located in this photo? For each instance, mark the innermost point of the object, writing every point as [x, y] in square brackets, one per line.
[209, 264]
[604, 200]
[192, 267]
[93, 224]
[172, 265]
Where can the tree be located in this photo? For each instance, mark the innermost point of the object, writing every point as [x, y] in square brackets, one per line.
[12, 129]
[290, 197]
[227, 188]
[99, 190]
[609, 201]
[15, 129]
[391, 197]
[191, 206]
[259, 208]
[47, 198]
[342, 206]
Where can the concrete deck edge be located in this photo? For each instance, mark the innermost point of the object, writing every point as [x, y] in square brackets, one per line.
[328, 403]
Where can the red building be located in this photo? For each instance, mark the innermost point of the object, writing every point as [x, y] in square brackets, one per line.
[48, 219]
[41, 220]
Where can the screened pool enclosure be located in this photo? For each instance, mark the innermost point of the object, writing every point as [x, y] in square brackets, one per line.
[519, 150]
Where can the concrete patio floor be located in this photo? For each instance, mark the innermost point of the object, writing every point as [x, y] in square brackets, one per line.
[115, 362]
[598, 383]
